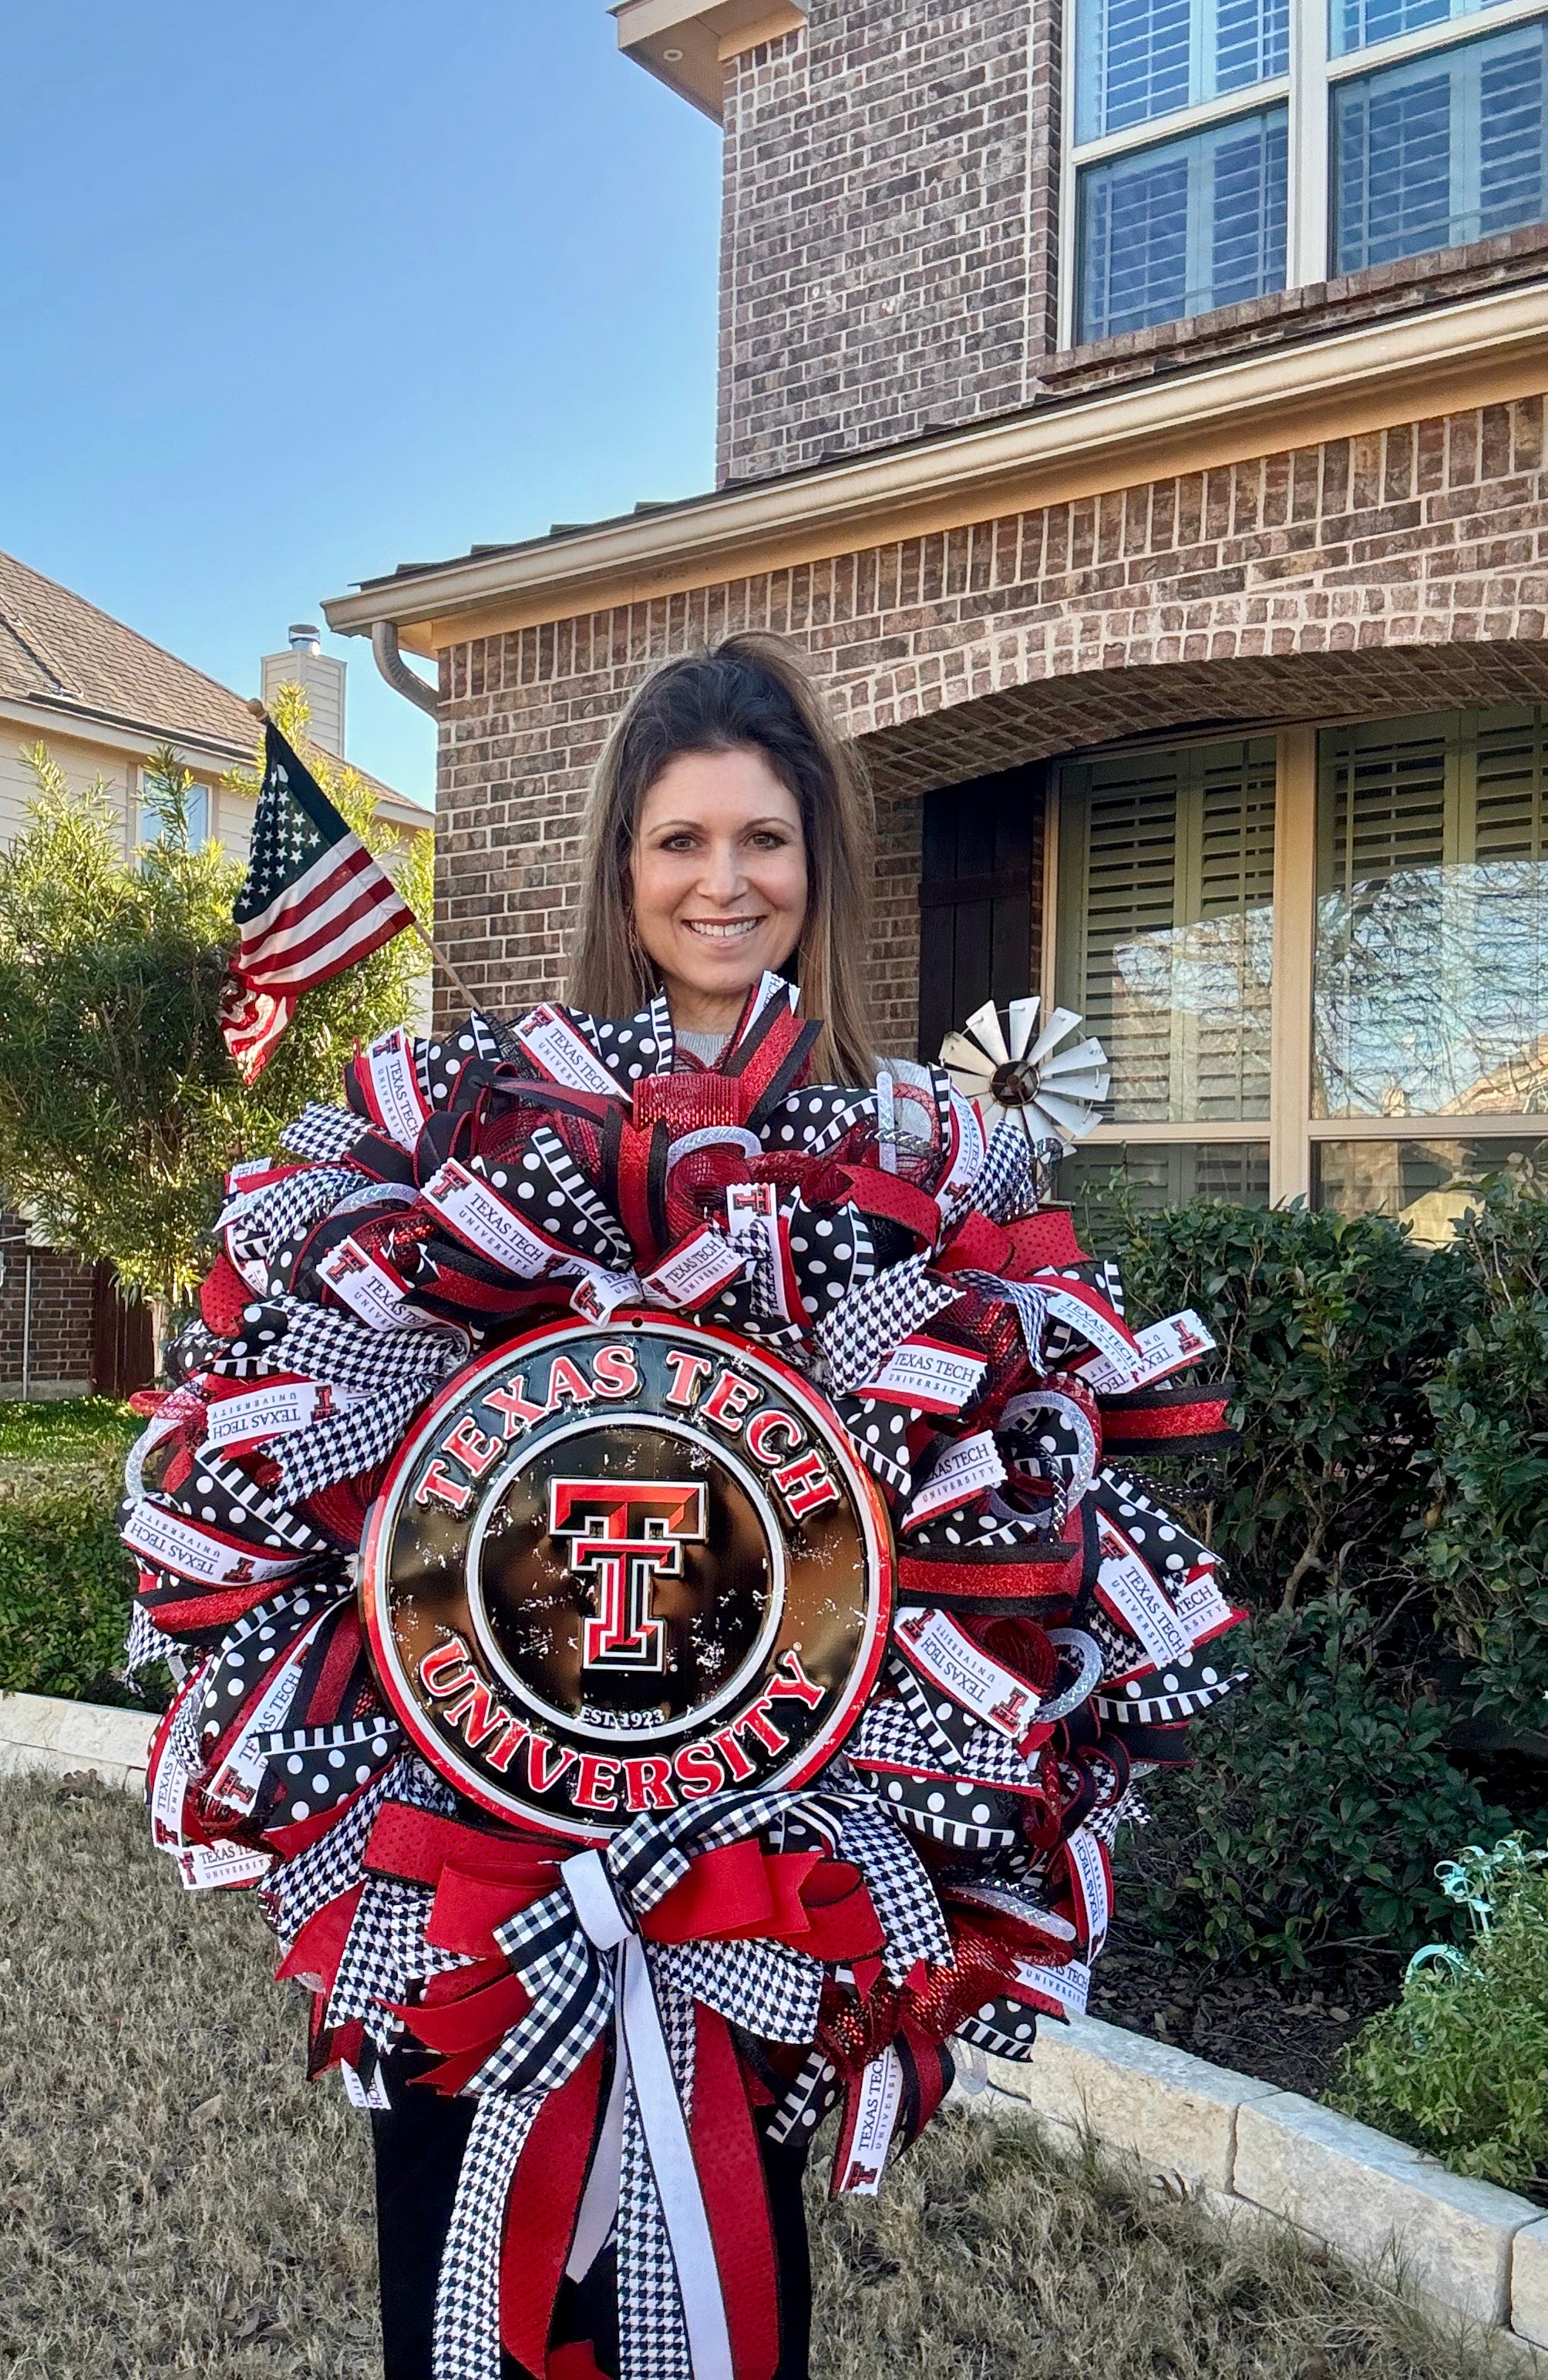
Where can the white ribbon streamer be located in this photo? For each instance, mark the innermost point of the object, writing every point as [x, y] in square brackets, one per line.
[643, 2059]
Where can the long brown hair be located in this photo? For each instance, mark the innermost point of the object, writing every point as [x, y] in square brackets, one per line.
[750, 693]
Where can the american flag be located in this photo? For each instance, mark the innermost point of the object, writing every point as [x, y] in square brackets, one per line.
[314, 903]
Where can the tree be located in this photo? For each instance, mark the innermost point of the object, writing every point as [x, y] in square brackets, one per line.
[119, 1107]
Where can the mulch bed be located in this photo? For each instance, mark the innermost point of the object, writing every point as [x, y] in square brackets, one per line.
[1285, 2034]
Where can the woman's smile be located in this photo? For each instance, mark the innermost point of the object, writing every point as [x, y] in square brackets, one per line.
[723, 929]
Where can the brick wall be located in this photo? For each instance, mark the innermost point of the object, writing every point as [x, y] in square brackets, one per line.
[1406, 570]
[889, 228]
[63, 1311]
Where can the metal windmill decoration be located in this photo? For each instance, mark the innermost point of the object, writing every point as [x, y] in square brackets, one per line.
[1054, 1093]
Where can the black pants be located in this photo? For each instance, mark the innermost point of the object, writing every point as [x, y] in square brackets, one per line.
[418, 2144]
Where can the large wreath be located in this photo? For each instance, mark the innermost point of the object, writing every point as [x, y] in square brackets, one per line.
[443, 1804]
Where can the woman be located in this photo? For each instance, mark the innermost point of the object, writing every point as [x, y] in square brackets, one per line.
[729, 833]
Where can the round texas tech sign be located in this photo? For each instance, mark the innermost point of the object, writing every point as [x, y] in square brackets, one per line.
[616, 1570]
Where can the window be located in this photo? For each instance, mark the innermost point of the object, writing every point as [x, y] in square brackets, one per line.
[1430, 984]
[1185, 227]
[1429, 1184]
[1159, 1174]
[1358, 24]
[1440, 150]
[1317, 962]
[1226, 148]
[152, 826]
[1165, 948]
[1137, 59]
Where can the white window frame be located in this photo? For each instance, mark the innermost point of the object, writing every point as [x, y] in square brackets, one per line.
[1307, 87]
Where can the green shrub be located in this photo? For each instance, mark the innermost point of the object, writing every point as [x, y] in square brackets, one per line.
[1332, 1329]
[1460, 2065]
[1318, 1802]
[1313, 1811]
[65, 1582]
[1487, 1553]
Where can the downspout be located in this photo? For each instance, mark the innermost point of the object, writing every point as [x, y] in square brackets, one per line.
[396, 670]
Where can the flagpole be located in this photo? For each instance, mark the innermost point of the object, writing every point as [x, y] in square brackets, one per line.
[442, 961]
[259, 712]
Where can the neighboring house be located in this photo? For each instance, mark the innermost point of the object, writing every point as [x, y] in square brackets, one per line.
[1137, 415]
[103, 699]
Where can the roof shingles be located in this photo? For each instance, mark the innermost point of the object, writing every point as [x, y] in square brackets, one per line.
[57, 649]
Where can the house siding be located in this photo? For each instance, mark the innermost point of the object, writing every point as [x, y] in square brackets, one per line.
[889, 245]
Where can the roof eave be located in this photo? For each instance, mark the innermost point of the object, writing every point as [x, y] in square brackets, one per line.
[1411, 355]
[138, 737]
[687, 44]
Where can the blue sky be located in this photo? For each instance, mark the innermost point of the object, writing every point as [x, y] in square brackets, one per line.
[292, 295]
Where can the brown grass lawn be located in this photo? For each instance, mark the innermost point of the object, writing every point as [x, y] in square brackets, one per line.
[174, 2198]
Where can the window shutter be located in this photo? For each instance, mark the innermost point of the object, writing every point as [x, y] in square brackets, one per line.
[980, 898]
[1189, 224]
[1357, 24]
[1501, 912]
[1385, 792]
[1251, 43]
[1137, 59]
[1133, 62]
[1441, 150]
[1510, 813]
[1129, 872]
[1247, 242]
[1136, 246]
[1510, 162]
[1165, 940]
[1393, 138]
[1233, 938]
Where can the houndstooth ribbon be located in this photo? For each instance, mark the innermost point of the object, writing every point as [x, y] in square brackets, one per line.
[875, 1316]
[466, 2343]
[294, 1203]
[1005, 1185]
[897, 1881]
[580, 1954]
[288, 1334]
[347, 1443]
[323, 1132]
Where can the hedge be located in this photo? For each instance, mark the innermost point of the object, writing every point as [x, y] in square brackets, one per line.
[66, 1584]
[1383, 1513]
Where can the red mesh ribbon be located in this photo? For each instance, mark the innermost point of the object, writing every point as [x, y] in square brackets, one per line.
[1153, 1420]
[541, 2211]
[690, 1102]
[736, 2198]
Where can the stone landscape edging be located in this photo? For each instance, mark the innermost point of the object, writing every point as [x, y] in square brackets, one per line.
[1244, 2147]
[1249, 2150]
[59, 1738]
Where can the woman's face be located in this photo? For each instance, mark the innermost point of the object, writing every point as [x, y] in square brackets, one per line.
[720, 881]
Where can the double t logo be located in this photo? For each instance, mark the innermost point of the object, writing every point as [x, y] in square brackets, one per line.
[627, 1533]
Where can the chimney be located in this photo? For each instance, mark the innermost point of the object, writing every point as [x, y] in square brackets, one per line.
[321, 678]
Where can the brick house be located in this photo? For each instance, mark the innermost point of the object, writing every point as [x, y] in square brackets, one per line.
[101, 699]
[1136, 416]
